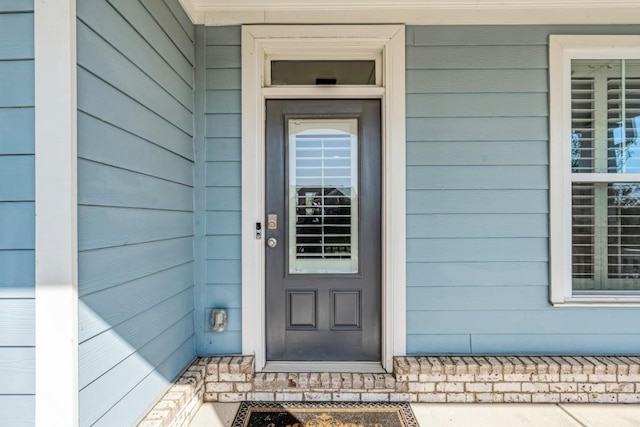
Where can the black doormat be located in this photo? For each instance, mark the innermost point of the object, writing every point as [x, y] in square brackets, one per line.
[324, 414]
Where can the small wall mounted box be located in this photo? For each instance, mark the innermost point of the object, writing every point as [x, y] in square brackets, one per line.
[218, 321]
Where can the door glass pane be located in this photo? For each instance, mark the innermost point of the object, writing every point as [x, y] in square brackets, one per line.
[323, 72]
[323, 196]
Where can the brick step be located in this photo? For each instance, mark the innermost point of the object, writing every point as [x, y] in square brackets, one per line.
[543, 379]
[323, 381]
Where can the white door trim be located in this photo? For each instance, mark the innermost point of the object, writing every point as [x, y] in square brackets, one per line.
[258, 42]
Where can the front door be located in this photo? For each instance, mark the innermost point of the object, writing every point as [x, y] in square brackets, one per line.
[323, 161]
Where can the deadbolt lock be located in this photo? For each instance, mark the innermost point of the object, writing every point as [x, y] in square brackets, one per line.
[272, 222]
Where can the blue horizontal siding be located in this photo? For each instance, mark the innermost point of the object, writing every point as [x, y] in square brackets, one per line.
[477, 105]
[18, 410]
[224, 174]
[122, 412]
[223, 271]
[458, 153]
[17, 225]
[477, 177]
[103, 227]
[105, 351]
[223, 56]
[224, 343]
[225, 79]
[222, 101]
[223, 149]
[116, 147]
[551, 321]
[438, 344]
[487, 273]
[480, 201]
[109, 186]
[103, 310]
[101, 59]
[477, 250]
[132, 117]
[461, 298]
[130, 41]
[504, 35]
[223, 125]
[17, 87]
[17, 328]
[135, 214]
[223, 36]
[16, 36]
[477, 129]
[223, 223]
[17, 214]
[476, 81]
[96, 271]
[18, 271]
[224, 247]
[157, 36]
[477, 57]
[220, 283]
[17, 130]
[16, 6]
[477, 226]
[17, 371]
[477, 198]
[623, 343]
[224, 295]
[172, 22]
[17, 178]
[182, 17]
[126, 376]
[223, 199]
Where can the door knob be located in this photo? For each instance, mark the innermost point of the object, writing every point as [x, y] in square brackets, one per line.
[272, 242]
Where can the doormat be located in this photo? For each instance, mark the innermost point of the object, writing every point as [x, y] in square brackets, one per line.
[324, 414]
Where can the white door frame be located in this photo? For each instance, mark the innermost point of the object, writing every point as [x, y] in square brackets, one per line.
[385, 44]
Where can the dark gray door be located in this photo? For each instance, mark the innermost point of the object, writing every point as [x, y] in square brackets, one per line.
[323, 160]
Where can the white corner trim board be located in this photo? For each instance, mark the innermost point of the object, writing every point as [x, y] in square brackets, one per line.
[387, 42]
[432, 12]
[56, 249]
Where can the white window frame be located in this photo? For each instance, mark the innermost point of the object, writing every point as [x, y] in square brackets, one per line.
[563, 49]
[385, 44]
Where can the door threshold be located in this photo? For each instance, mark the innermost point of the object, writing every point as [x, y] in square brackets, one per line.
[317, 366]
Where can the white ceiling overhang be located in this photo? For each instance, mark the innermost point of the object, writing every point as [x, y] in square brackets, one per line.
[428, 12]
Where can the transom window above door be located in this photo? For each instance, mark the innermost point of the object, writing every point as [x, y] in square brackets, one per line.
[323, 66]
[289, 72]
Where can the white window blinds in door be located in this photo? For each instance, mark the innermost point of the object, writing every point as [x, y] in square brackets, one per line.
[323, 196]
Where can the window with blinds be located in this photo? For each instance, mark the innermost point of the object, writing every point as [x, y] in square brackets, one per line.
[323, 202]
[605, 174]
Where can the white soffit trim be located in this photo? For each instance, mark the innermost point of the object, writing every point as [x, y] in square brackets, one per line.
[432, 12]
[56, 249]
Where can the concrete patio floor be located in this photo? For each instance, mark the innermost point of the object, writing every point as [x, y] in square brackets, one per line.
[480, 415]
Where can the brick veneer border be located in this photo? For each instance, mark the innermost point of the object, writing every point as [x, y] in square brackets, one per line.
[539, 379]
